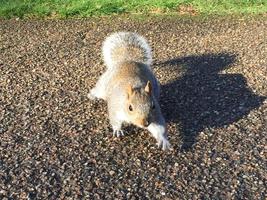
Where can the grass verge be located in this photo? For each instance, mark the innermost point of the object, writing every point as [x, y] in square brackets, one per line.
[88, 8]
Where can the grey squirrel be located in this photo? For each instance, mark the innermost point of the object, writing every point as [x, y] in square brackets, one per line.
[130, 87]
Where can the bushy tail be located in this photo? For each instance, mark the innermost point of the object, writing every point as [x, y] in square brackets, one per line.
[126, 46]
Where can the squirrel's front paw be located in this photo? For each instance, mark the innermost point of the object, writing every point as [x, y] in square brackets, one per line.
[164, 143]
[118, 133]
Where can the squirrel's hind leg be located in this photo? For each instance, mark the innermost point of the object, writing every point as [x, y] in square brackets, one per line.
[99, 91]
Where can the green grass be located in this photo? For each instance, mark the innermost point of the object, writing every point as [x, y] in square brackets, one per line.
[87, 8]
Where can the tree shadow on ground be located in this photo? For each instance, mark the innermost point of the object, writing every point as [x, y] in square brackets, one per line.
[203, 98]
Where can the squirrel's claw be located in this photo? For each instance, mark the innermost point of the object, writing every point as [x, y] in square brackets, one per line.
[118, 133]
[164, 143]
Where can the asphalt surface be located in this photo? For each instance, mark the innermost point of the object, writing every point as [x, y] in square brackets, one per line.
[57, 144]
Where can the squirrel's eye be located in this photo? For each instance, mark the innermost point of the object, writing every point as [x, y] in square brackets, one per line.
[130, 107]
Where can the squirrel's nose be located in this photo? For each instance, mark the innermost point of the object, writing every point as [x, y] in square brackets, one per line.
[146, 123]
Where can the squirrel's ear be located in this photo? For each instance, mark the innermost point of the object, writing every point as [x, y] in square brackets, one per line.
[130, 91]
[148, 88]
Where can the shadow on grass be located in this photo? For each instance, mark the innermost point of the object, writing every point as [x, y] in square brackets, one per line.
[204, 98]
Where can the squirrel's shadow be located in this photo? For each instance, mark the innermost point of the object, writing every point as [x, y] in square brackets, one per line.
[203, 98]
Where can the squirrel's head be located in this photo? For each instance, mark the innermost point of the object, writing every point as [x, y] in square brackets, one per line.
[140, 105]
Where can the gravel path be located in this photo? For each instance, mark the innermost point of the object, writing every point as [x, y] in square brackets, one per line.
[57, 144]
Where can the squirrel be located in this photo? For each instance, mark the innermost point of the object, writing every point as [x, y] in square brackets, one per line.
[130, 87]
